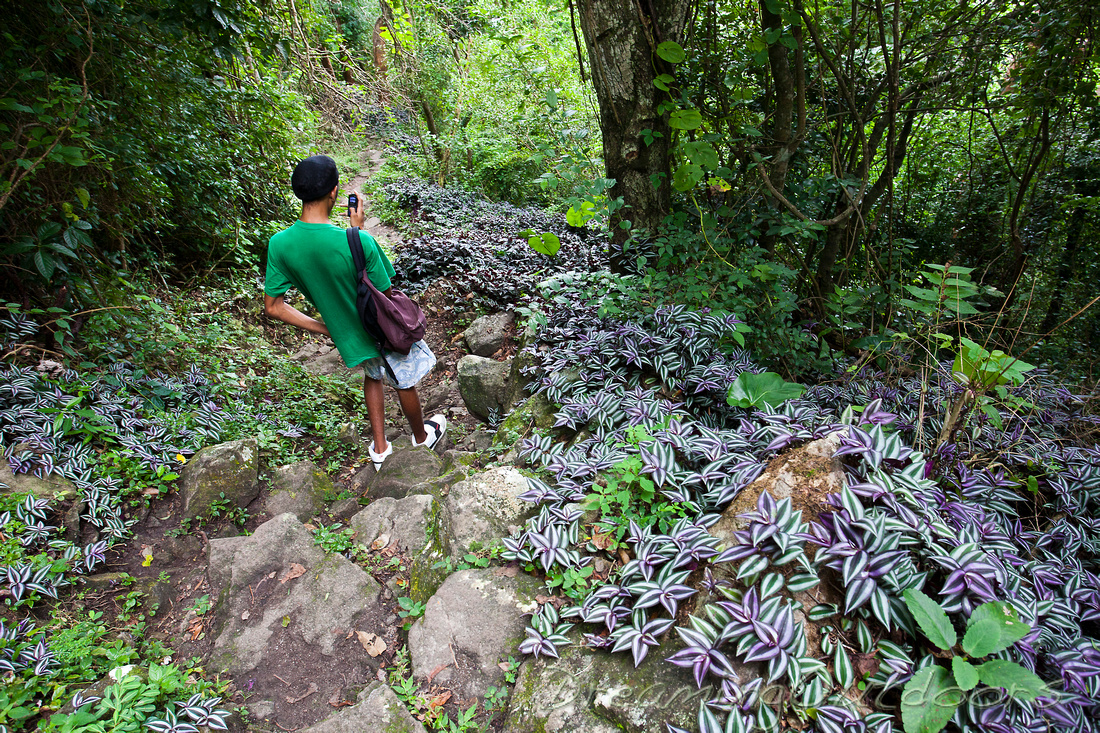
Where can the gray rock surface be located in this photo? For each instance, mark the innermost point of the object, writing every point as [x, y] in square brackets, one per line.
[52, 487]
[403, 470]
[806, 475]
[228, 468]
[475, 619]
[590, 691]
[479, 441]
[377, 709]
[300, 489]
[535, 412]
[342, 510]
[487, 334]
[486, 385]
[485, 507]
[419, 526]
[249, 571]
[349, 434]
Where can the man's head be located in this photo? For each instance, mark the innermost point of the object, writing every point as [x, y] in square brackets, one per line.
[315, 179]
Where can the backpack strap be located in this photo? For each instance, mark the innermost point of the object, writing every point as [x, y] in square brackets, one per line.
[359, 259]
[355, 244]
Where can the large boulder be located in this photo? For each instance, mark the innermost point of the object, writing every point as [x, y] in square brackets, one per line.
[487, 386]
[282, 604]
[418, 524]
[535, 412]
[229, 468]
[806, 475]
[300, 489]
[377, 709]
[474, 620]
[591, 691]
[54, 488]
[403, 470]
[487, 334]
[486, 507]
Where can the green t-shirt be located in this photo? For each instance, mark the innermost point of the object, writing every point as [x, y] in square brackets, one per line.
[315, 259]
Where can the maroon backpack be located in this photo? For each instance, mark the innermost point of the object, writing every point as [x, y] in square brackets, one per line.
[395, 322]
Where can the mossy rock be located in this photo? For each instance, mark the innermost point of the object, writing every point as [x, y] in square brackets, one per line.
[300, 489]
[593, 691]
[535, 412]
[228, 471]
[54, 488]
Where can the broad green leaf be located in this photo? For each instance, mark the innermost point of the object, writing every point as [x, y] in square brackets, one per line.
[83, 197]
[663, 82]
[752, 566]
[546, 243]
[802, 581]
[993, 628]
[701, 153]
[1017, 681]
[685, 119]
[981, 638]
[49, 230]
[578, 217]
[754, 390]
[45, 264]
[966, 676]
[771, 583]
[686, 176]
[671, 52]
[931, 618]
[929, 700]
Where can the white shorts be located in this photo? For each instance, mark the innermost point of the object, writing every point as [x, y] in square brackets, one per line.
[409, 369]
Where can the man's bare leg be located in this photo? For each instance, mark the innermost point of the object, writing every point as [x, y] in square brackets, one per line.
[410, 405]
[376, 412]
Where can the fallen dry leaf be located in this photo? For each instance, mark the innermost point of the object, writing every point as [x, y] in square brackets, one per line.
[371, 642]
[312, 689]
[381, 541]
[436, 671]
[602, 541]
[440, 700]
[509, 571]
[295, 571]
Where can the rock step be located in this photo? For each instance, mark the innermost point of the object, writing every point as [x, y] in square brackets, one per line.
[292, 624]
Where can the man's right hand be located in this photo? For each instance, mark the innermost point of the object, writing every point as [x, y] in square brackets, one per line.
[357, 212]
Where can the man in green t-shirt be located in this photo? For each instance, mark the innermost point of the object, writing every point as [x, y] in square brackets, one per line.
[313, 256]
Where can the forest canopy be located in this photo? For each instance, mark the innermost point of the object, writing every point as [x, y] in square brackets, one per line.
[789, 157]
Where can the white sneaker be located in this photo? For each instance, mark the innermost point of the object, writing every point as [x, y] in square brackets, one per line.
[378, 458]
[435, 427]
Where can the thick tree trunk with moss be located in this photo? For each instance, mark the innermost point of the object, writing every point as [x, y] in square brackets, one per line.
[621, 37]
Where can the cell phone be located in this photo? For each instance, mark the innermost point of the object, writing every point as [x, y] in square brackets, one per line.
[353, 202]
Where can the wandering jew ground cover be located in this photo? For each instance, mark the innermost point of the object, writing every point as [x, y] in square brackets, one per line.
[1003, 519]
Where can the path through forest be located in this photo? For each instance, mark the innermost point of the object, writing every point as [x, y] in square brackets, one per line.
[302, 675]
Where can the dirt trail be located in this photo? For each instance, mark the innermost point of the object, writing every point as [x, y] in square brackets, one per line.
[371, 159]
[177, 579]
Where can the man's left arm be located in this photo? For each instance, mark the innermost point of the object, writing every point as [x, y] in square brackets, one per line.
[279, 309]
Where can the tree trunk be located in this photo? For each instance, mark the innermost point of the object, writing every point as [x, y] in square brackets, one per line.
[621, 37]
[789, 87]
[1065, 270]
